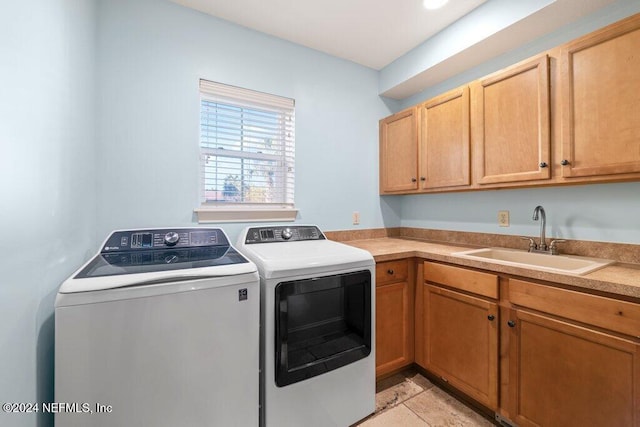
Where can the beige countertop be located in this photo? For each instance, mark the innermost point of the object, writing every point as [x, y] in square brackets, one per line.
[617, 279]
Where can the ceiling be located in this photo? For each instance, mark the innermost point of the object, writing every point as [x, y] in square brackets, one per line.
[372, 33]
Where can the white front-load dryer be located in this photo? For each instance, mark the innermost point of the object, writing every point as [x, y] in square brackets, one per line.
[317, 327]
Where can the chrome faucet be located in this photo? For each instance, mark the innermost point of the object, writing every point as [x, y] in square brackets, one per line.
[542, 247]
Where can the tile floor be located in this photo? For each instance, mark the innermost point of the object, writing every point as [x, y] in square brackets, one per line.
[408, 399]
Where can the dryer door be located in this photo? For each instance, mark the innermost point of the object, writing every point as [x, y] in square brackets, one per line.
[322, 323]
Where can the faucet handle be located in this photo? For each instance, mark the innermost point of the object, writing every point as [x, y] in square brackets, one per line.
[552, 246]
[532, 243]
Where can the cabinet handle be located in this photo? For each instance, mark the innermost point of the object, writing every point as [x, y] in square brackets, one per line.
[564, 162]
[491, 317]
[511, 323]
[389, 271]
[543, 164]
[413, 180]
[422, 178]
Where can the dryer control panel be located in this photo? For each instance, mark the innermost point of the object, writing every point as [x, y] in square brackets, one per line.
[163, 238]
[292, 233]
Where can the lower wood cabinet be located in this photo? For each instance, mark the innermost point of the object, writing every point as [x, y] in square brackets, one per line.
[566, 375]
[567, 372]
[557, 357]
[461, 342]
[536, 354]
[460, 331]
[394, 316]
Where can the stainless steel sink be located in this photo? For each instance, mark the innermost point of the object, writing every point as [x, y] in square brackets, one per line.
[567, 264]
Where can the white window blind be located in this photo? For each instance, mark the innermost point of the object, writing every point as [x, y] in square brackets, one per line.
[247, 147]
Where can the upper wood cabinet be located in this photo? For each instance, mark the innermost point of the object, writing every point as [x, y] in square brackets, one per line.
[569, 115]
[600, 81]
[511, 132]
[444, 140]
[399, 152]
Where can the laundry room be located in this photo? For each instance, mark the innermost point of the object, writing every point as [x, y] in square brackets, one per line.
[102, 105]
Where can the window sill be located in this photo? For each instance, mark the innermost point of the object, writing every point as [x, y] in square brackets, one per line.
[209, 215]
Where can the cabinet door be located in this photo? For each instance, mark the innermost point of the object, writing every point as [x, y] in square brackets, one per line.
[399, 152]
[600, 101]
[394, 327]
[510, 111]
[461, 342]
[566, 375]
[444, 140]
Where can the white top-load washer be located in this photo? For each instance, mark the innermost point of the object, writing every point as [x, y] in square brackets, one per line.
[317, 327]
[160, 328]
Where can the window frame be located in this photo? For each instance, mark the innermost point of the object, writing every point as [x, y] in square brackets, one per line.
[224, 211]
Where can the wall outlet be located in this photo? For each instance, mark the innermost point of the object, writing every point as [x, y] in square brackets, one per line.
[503, 218]
[356, 218]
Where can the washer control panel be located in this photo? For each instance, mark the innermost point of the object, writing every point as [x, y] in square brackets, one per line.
[291, 233]
[164, 238]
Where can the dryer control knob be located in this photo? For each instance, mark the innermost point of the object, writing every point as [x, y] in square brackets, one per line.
[171, 238]
[286, 234]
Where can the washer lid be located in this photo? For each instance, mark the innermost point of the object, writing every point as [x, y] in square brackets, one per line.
[141, 257]
[121, 263]
[145, 278]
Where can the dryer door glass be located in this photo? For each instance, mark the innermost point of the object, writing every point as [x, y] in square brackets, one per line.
[322, 323]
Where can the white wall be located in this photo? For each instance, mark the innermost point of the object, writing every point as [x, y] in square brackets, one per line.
[151, 55]
[600, 212]
[47, 185]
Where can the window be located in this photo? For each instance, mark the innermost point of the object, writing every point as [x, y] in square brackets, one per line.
[246, 155]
